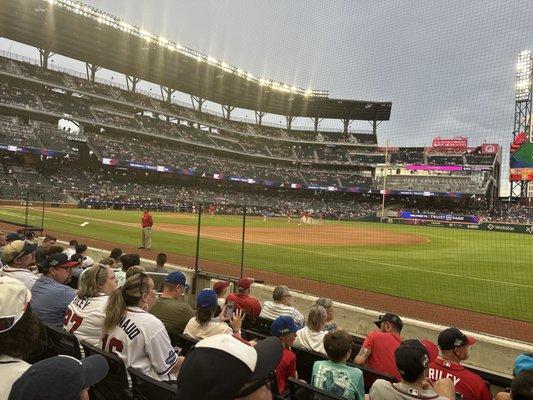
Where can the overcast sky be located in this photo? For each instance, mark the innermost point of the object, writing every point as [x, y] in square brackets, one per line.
[447, 66]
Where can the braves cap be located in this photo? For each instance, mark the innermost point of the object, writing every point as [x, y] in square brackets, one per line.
[17, 248]
[14, 299]
[283, 325]
[524, 362]
[219, 286]
[207, 298]
[77, 257]
[177, 278]
[245, 283]
[59, 260]
[59, 378]
[412, 358]
[218, 367]
[389, 317]
[452, 337]
[12, 236]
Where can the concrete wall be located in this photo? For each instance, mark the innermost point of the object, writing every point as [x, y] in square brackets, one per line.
[490, 353]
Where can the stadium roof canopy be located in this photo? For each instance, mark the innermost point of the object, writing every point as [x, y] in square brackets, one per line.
[84, 33]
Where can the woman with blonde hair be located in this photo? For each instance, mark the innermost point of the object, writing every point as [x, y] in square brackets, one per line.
[85, 314]
[311, 336]
[136, 336]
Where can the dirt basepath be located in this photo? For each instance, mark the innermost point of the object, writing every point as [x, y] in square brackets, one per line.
[474, 321]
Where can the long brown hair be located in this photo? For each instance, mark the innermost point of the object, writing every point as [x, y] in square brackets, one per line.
[92, 280]
[126, 296]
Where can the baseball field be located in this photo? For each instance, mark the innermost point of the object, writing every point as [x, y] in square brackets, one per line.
[484, 272]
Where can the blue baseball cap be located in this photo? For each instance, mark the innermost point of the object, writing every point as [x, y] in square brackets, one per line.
[207, 298]
[283, 325]
[524, 362]
[177, 278]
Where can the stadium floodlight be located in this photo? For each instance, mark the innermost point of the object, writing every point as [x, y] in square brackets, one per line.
[523, 76]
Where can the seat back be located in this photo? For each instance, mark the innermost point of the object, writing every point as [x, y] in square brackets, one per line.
[185, 342]
[147, 388]
[371, 375]
[115, 384]
[252, 335]
[302, 391]
[62, 342]
[305, 360]
[257, 324]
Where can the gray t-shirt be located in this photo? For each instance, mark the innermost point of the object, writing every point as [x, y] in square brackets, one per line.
[385, 390]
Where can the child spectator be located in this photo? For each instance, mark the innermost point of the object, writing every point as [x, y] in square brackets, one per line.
[285, 329]
[334, 375]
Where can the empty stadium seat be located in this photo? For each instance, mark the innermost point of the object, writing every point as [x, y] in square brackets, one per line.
[257, 324]
[62, 342]
[147, 388]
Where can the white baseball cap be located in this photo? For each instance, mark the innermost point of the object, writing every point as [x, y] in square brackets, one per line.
[14, 299]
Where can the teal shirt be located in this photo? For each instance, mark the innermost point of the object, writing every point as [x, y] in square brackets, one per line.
[339, 378]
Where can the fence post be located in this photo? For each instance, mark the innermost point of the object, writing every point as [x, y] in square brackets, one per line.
[242, 242]
[198, 237]
[42, 215]
[26, 213]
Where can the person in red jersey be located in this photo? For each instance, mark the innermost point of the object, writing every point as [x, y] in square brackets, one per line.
[146, 226]
[455, 348]
[242, 299]
[378, 348]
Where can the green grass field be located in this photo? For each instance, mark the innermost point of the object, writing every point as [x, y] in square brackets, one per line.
[489, 272]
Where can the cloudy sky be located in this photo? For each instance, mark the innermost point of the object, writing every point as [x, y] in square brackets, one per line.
[447, 66]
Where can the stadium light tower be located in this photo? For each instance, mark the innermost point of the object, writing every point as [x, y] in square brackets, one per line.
[522, 115]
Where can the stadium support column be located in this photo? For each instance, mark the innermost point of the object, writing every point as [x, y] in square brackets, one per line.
[259, 117]
[131, 82]
[226, 111]
[346, 124]
[375, 125]
[44, 56]
[316, 123]
[91, 71]
[289, 119]
[166, 93]
[197, 102]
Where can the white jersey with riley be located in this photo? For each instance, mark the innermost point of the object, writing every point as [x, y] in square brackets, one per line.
[141, 341]
[85, 318]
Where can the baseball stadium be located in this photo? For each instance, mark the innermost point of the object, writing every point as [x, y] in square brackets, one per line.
[435, 230]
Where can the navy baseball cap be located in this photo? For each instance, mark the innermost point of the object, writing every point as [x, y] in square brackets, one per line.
[12, 236]
[59, 260]
[389, 317]
[412, 358]
[283, 325]
[177, 278]
[207, 298]
[59, 378]
[452, 337]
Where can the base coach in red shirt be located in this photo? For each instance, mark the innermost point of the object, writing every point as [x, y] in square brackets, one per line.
[146, 226]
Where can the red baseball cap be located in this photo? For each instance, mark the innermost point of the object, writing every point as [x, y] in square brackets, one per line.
[432, 349]
[220, 286]
[245, 283]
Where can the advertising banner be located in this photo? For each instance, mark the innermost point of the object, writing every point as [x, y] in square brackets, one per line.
[439, 217]
[456, 143]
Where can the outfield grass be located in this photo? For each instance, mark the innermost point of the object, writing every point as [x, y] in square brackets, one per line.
[489, 272]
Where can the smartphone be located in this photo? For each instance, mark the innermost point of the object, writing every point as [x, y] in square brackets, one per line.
[230, 307]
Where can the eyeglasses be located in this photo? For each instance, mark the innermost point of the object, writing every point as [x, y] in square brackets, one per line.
[143, 275]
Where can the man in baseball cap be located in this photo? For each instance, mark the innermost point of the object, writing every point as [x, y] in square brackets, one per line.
[12, 236]
[17, 257]
[455, 348]
[378, 348]
[170, 307]
[221, 367]
[220, 289]
[60, 378]
[412, 360]
[242, 299]
[50, 294]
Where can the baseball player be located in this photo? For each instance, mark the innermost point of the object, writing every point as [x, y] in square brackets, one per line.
[136, 336]
[86, 313]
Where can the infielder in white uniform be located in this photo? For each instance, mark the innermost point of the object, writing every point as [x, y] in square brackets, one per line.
[136, 336]
[86, 313]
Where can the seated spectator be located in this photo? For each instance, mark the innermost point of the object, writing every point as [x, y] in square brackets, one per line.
[328, 306]
[110, 262]
[522, 386]
[170, 307]
[378, 348]
[334, 375]
[17, 256]
[282, 305]
[50, 294]
[221, 289]
[127, 261]
[159, 268]
[71, 249]
[285, 329]
[115, 255]
[222, 367]
[86, 313]
[455, 348]
[12, 236]
[523, 362]
[202, 326]
[19, 332]
[412, 360]
[242, 299]
[136, 336]
[311, 336]
[87, 261]
[40, 253]
[60, 378]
